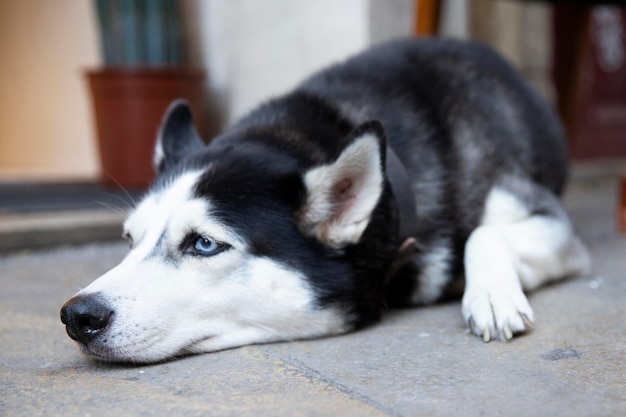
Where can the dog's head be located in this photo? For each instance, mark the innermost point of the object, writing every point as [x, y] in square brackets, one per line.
[238, 246]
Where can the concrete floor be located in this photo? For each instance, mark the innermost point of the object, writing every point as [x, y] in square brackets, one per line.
[417, 362]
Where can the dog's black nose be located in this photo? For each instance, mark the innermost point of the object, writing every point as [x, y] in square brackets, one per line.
[85, 317]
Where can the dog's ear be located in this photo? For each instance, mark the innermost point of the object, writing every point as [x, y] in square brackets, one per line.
[341, 196]
[177, 136]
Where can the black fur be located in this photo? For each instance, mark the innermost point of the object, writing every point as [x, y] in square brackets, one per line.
[182, 137]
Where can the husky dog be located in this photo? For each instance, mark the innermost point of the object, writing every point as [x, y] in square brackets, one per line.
[385, 180]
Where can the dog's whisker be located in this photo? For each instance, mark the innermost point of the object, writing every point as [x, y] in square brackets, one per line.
[117, 210]
[125, 202]
[122, 188]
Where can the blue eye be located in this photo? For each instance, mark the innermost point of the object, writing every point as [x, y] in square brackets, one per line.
[205, 245]
[202, 246]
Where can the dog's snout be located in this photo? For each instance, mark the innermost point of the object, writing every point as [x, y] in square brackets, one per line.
[85, 317]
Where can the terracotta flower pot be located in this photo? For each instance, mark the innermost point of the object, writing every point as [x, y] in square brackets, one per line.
[128, 105]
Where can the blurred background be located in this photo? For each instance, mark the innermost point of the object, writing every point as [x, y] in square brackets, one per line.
[83, 84]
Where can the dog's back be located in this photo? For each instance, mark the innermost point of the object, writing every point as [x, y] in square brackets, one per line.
[450, 108]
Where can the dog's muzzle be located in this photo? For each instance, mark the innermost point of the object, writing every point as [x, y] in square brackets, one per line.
[85, 317]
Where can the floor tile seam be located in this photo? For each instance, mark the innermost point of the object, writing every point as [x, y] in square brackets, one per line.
[319, 376]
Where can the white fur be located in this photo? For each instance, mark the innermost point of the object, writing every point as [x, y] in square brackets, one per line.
[339, 221]
[511, 251]
[149, 220]
[502, 207]
[166, 303]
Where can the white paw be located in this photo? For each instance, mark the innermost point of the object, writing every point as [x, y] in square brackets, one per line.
[496, 314]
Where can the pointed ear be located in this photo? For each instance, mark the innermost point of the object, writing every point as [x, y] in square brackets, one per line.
[342, 195]
[177, 136]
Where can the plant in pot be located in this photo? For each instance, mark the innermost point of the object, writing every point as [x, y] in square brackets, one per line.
[143, 72]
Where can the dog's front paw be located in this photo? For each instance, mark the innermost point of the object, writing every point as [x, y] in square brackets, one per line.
[496, 315]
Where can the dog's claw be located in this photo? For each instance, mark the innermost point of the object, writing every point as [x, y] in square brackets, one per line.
[486, 336]
[496, 316]
[528, 323]
[508, 334]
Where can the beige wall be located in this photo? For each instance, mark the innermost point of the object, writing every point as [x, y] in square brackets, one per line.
[257, 49]
[45, 119]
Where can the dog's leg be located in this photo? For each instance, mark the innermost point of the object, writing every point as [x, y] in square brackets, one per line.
[518, 246]
[435, 273]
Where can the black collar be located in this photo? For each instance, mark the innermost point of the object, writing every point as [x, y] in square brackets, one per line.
[402, 192]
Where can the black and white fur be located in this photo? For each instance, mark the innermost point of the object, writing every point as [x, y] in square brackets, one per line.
[286, 226]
